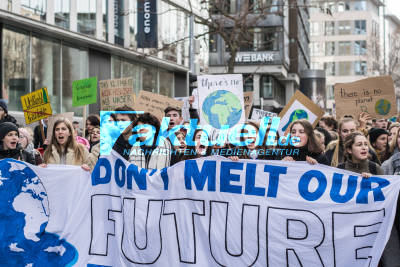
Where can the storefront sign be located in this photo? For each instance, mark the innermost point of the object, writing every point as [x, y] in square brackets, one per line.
[252, 57]
[147, 24]
[36, 105]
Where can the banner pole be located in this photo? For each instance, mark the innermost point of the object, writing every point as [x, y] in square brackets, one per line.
[42, 130]
[84, 120]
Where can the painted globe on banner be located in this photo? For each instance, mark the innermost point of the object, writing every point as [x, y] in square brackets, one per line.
[24, 210]
[382, 106]
[222, 108]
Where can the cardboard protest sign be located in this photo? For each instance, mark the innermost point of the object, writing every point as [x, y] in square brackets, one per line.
[54, 118]
[155, 103]
[299, 107]
[84, 92]
[116, 93]
[201, 212]
[248, 102]
[375, 96]
[258, 114]
[36, 105]
[221, 100]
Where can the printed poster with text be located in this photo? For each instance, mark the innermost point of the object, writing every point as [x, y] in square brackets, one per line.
[375, 96]
[221, 100]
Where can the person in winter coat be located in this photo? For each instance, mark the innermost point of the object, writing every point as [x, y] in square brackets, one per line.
[63, 148]
[9, 147]
[308, 147]
[378, 138]
[146, 153]
[25, 141]
[94, 151]
[356, 156]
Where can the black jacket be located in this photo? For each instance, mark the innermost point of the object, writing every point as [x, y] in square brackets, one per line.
[303, 153]
[18, 154]
[122, 147]
[9, 118]
[37, 136]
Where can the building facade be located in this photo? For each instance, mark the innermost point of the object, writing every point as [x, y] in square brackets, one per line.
[275, 54]
[51, 43]
[345, 41]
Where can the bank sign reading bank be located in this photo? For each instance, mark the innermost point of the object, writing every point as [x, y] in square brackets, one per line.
[253, 57]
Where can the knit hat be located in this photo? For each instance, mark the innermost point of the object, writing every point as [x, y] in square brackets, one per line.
[374, 134]
[25, 133]
[7, 127]
[3, 105]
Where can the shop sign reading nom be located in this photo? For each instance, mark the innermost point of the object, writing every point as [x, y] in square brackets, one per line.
[252, 57]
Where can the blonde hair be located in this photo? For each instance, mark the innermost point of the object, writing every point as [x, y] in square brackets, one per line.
[71, 143]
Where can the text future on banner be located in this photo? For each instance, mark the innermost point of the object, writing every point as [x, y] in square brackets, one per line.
[375, 96]
[203, 212]
[36, 105]
[84, 92]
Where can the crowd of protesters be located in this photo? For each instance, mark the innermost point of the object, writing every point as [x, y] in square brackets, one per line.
[363, 145]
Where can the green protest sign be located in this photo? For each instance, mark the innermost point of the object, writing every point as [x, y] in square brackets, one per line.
[84, 92]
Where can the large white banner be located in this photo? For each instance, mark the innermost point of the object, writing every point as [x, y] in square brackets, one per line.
[205, 212]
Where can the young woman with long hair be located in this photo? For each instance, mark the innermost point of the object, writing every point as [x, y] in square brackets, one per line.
[63, 148]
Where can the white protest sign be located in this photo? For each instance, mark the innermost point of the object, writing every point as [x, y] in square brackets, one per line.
[258, 114]
[202, 212]
[221, 100]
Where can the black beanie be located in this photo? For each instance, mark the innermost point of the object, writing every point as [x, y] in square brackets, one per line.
[3, 105]
[374, 134]
[7, 127]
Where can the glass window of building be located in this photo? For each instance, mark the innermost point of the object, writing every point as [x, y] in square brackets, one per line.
[329, 48]
[124, 69]
[266, 86]
[360, 47]
[265, 39]
[86, 16]
[15, 53]
[360, 5]
[360, 27]
[360, 68]
[46, 64]
[213, 42]
[119, 15]
[343, 6]
[329, 28]
[104, 7]
[75, 66]
[247, 83]
[149, 79]
[344, 48]
[61, 13]
[331, 93]
[34, 9]
[344, 27]
[345, 68]
[166, 83]
[314, 28]
[330, 68]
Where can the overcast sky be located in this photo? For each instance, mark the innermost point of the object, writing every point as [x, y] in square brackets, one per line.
[393, 7]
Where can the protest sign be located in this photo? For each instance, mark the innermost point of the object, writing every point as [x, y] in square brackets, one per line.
[375, 96]
[54, 118]
[155, 103]
[116, 93]
[221, 100]
[36, 105]
[203, 212]
[84, 92]
[258, 114]
[248, 102]
[185, 107]
[299, 107]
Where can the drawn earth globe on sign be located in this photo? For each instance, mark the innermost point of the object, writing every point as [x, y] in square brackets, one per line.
[24, 214]
[222, 108]
[297, 114]
[382, 106]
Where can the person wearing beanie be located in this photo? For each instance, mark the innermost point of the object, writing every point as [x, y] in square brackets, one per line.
[4, 116]
[9, 146]
[378, 138]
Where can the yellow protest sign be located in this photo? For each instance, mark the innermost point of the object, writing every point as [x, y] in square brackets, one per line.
[36, 105]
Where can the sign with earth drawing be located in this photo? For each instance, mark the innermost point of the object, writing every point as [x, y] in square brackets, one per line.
[221, 100]
[299, 107]
[375, 96]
